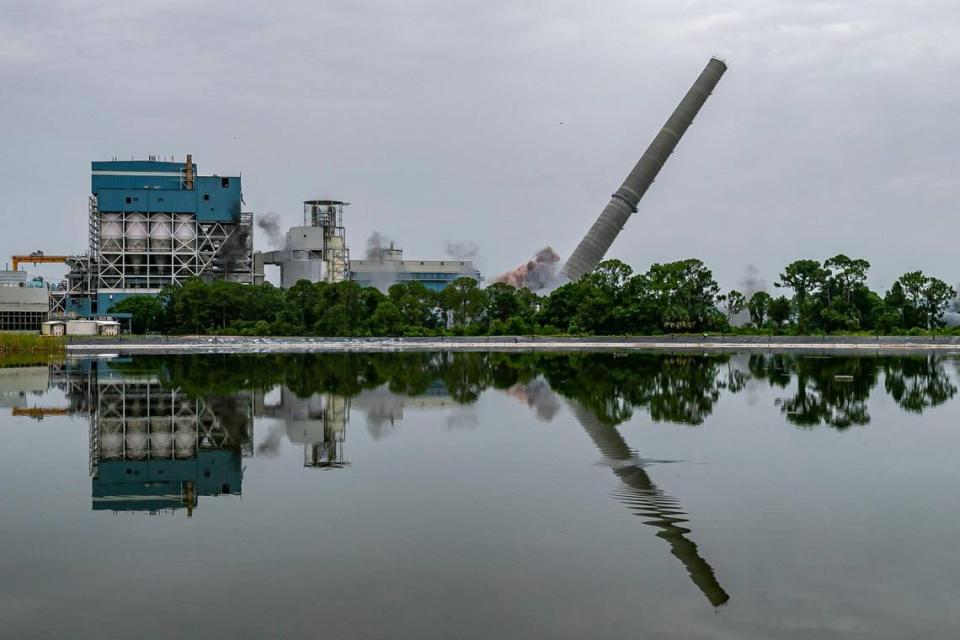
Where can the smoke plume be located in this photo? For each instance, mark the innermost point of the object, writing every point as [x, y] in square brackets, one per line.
[534, 274]
[752, 282]
[461, 250]
[538, 395]
[270, 447]
[377, 245]
[236, 248]
[269, 223]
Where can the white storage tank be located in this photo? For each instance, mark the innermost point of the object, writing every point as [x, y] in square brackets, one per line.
[161, 231]
[184, 227]
[111, 445]
[136, 232]
[111, 231]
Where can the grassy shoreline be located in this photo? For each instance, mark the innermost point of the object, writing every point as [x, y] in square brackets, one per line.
[19, 344]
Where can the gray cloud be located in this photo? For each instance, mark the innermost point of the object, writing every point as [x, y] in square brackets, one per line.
[834, 131]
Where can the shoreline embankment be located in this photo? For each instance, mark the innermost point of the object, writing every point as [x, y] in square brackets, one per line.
[242, 344]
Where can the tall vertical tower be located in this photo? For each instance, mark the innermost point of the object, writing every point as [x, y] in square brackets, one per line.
[317, 251]
[328, 216]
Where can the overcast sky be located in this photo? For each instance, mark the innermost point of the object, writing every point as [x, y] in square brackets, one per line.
[507, 123]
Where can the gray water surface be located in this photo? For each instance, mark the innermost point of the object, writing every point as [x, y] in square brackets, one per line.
[481, 495]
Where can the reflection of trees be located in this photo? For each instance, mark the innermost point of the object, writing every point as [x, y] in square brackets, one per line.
[673, 388]
[774, 368]
[834, 390]
[679, 388]
[917, 382]
[829, 390]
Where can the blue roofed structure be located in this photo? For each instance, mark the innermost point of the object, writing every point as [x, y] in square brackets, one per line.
[155, 223]
[157, 187]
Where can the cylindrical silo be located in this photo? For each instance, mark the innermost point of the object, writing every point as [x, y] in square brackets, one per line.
[623, 204]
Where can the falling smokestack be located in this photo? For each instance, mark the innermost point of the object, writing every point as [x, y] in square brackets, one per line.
[623, 204]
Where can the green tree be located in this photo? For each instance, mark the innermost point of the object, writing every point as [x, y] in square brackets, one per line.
[502, 301]
[685, 293]
[805, 278]
[937, 295]
[465, 300]
[386, 320]
[848, 274]
[913, 283]
[758, 306]
[149, 314]
[733, 303]
[779, 311]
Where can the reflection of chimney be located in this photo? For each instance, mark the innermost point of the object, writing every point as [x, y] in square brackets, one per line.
[624, 202]
[644, 498]
[188, 173]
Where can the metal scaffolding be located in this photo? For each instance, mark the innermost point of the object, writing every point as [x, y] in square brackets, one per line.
[147, 251]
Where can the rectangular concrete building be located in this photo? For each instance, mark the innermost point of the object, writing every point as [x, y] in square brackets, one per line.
[23, 309]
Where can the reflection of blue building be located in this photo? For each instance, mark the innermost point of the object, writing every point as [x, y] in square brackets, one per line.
[159, 485]
[154, 448]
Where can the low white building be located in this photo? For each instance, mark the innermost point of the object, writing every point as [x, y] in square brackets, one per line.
[108, 327]
[53, 328]
[85, 327]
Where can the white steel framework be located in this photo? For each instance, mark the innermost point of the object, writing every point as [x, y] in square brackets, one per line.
[147, 251]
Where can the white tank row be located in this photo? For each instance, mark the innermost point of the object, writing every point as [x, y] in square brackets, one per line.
[141, 445]
[139, 226]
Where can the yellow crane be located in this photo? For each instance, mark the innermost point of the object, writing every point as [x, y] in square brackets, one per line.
[37, 257]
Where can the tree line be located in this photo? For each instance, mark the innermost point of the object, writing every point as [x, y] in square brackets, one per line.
[831, 296]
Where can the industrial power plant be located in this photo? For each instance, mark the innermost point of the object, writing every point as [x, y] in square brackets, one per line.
[154, 223]
[157, 222]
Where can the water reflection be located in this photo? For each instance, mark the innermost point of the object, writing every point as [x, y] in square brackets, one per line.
[647, 500]
[834, 391]
[165, 432]
[637, 491]
[154, 448]
[317, 422]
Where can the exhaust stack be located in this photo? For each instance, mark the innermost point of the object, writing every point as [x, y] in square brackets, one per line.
[188, 173]
[623, 204]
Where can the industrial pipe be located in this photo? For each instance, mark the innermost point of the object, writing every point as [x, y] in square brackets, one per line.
[623, 204]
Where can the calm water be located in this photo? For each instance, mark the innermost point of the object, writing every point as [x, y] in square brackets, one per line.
[481, 496]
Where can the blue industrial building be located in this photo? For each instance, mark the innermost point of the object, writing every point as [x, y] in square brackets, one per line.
[155, 223]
